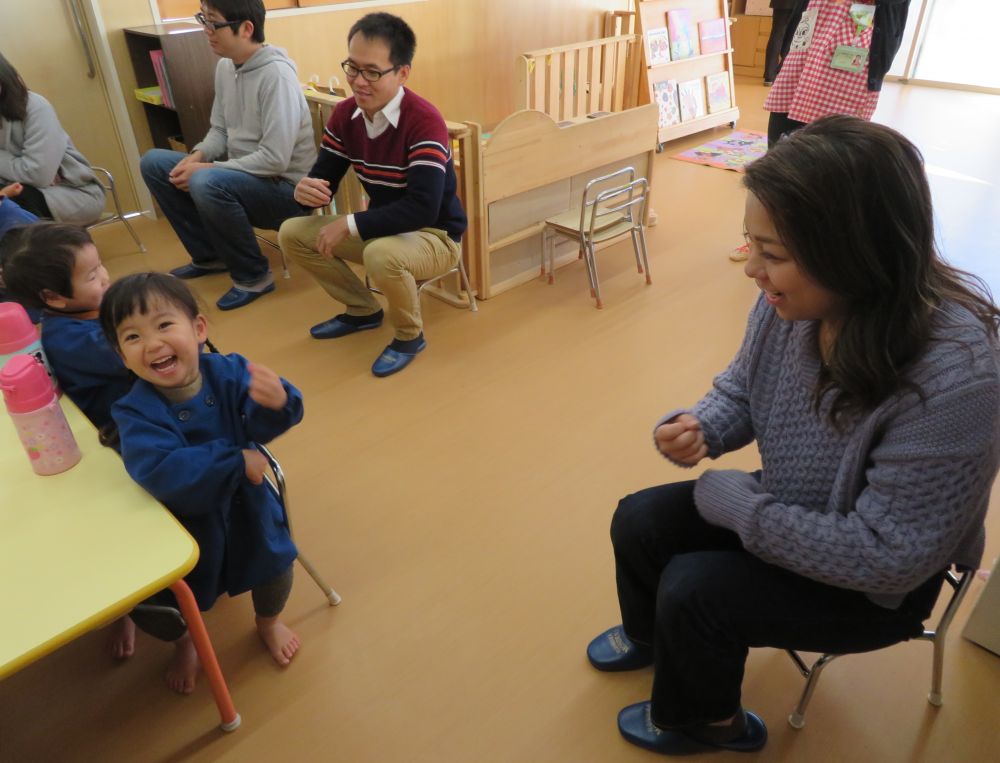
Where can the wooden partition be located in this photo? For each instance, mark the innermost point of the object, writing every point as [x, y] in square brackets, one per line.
[533, 169]
[575, 80]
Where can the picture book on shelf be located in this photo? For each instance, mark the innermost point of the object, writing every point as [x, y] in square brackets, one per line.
[657, 46]
[719, 98]
[160, 70]
[683, 43]
[712, 35]
[665, 95]
[691, 95]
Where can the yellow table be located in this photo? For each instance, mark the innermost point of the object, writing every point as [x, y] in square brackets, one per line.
[81, 548]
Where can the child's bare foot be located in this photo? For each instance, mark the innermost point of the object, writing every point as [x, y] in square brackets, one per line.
[279, 639]
[184, 666]
[12, 190]
[121, 638]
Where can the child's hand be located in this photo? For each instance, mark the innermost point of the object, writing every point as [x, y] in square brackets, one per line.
[255, 465]
[12, 190]
[266, 389]
[681, 439]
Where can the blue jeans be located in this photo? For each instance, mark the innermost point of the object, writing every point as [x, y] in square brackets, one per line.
[691, 591]
[215, 218]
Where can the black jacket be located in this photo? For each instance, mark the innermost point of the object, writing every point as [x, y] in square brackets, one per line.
[887, 35]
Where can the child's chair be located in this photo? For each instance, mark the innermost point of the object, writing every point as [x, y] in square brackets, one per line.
[611, 206]
[959, 584]
[276, 480]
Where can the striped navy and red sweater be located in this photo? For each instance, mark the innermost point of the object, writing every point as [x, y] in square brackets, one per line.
[407, 171]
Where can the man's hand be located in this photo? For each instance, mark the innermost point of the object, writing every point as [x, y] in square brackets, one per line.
[331, 235]
[313, 192]
[266, 388]
[255, 465]
[180, 175]
[681, 439]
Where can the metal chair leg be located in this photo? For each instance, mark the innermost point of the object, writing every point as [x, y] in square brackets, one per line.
[645, 252]
[797, 719]
[465, 285]
[332, 596]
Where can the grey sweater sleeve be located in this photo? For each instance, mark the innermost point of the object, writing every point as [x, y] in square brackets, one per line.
[44, 146]
[279, 97]
[724, 413]
[919, 502]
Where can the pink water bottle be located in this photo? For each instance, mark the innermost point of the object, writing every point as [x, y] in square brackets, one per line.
[18, 336]
[32, 403]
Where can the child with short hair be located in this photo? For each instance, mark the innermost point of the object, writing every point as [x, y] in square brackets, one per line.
[56, 267]
[188, 430]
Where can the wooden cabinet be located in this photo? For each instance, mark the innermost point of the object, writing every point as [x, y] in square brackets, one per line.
[190, 66]
[652, 15]
[750, 35]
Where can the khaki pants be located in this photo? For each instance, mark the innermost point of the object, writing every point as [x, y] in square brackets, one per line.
[393, 263]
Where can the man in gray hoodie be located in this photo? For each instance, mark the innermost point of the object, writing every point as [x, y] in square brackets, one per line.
[243, 174]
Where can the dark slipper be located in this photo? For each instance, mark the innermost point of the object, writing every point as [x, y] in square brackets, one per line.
[613, 651]
[636, 725]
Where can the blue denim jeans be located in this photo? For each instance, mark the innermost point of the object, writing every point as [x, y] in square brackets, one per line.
[215, 218]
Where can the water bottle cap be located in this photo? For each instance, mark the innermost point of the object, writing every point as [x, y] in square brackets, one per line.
[16, 329]
[26, 385]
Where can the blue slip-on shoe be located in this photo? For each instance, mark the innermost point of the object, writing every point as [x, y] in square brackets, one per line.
[189, 271]
[236, 297]
[636, 725]
[334, 328]
[613, 651]
[391, 361]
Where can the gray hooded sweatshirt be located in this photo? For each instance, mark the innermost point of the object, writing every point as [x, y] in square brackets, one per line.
[38, 152]
[260, 119]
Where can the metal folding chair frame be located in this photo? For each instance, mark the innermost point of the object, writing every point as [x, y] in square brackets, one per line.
[626, 204]
[118, 215]
[960, 586]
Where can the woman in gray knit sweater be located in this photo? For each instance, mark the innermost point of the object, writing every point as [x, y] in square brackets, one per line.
[56, 181]
[869, 377]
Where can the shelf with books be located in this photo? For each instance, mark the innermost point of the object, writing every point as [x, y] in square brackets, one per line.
[176, 60]
[687, 64]
[699, 57]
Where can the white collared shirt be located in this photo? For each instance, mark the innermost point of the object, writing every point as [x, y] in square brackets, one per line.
[387, 117]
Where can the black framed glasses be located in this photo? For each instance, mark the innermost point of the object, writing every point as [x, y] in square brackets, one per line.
[215, 26]
[370, 75]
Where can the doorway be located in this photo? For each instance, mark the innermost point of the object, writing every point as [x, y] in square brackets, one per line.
[51, 44]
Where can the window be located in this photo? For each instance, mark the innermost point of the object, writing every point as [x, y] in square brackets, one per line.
[185, 9]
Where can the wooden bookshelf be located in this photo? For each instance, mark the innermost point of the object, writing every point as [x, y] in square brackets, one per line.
[651, 14]
[190, 65]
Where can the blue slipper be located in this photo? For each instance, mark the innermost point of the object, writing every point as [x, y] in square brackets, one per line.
[392, 361]
[636, 725]
[237, 297]
[334, 328]
[613, 651]
[189, 271]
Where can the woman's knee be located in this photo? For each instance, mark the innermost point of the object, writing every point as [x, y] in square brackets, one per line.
[704, 585]
[631, 520]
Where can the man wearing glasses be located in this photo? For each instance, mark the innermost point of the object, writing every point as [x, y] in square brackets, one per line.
[243, 174]
[398, 145]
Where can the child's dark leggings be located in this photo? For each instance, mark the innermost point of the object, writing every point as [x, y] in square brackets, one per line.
[159, 617]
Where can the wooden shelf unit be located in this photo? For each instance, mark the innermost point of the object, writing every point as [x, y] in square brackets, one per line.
[651, 14]
[190, 65]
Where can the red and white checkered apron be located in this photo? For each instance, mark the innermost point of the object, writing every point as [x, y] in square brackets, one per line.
[807, 87]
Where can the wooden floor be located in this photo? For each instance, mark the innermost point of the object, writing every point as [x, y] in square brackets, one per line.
[462, 510]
